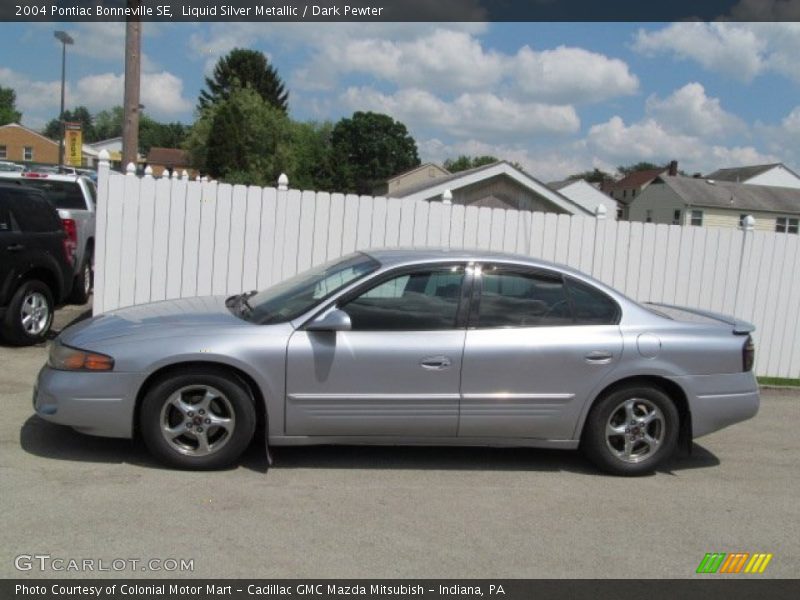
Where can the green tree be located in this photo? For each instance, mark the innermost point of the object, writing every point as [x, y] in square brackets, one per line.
[242, 139]
[79, 114]
[464, 163]
[312, 156]
[594, 176]
[152, 133]
[242, 68]
[8, 106]
[108, 123]
[640, 166]
[367, 149]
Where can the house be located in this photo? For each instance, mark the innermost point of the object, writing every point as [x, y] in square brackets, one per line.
[169, 159]
[114, 148]
[20, 144]
[411, 178]
[497, 185]
[683, 200]
[776, 174]
[629, 187]
[588, 196]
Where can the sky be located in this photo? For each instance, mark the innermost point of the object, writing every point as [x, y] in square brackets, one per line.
[557, 98]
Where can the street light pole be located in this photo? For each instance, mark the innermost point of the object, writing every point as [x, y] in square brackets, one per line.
[65, 39]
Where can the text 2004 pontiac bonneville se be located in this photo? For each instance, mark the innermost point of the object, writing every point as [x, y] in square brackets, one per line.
[397, 346]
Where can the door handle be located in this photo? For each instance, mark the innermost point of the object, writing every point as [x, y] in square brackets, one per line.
[15, 247]
[599, 357]
[435, 363]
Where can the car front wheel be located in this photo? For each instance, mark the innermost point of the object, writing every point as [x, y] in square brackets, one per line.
[631, 430]
[198, 419]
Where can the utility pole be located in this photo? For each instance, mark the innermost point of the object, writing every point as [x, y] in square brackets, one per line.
[133, 65]
[65, 39]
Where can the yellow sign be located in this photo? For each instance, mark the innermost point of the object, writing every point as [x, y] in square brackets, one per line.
[73, 144]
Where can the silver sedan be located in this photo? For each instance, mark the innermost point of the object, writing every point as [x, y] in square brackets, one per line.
[428, 347]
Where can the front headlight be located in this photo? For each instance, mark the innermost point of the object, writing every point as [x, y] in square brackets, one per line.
[65, 358]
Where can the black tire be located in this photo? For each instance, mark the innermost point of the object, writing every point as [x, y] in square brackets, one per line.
[184, 451]
[83, 283]
[631, 451]
[14, 326]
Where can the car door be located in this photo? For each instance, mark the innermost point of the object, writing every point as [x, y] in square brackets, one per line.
[10, 246]
[396, 372]
[537, 344]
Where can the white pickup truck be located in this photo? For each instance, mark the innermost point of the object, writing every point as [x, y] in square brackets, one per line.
[75, 198]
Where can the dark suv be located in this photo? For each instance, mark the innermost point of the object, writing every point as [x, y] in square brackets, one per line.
[35, 264]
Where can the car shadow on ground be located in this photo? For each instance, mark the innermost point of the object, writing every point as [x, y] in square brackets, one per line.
[47, 440]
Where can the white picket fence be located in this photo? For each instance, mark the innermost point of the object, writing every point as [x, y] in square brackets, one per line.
[171, 238]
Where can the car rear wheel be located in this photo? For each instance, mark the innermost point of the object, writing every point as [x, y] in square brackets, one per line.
[631, 430]
[29, 315]
[198, 419]
[83, 283]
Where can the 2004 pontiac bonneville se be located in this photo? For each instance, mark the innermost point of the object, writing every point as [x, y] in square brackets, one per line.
[396, 346]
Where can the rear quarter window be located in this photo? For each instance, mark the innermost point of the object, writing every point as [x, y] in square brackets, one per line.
[590, 306]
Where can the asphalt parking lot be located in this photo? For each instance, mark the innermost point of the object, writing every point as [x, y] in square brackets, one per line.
[393, 512]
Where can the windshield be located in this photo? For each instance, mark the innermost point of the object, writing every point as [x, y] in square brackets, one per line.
[291, 298]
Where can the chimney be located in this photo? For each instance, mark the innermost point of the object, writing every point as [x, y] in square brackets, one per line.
[673, 168]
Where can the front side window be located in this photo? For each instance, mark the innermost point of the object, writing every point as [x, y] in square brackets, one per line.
[511, 299]
[424, 300]
[295, 296]
[697, 218]
[27, 153]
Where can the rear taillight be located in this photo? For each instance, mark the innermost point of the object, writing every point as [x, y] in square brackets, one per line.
[748, 354]
[71, 239]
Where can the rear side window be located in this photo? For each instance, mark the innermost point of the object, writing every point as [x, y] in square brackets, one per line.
[63, 194]
[511, 299]
[591, 306]
[33, 213]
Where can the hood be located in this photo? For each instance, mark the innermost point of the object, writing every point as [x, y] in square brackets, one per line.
[168, 318]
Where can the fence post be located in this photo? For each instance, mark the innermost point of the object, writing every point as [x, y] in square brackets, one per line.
[600, 216]
[103, 174]
[748, 224]
[283, 182]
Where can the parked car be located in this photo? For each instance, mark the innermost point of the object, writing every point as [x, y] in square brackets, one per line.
[407, 347]
[35, 264]
[75, 198]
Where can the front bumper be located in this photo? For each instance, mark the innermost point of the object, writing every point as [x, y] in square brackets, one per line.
[92, 403]
[717, 401]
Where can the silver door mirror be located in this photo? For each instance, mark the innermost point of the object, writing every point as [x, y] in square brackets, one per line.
[333, 320]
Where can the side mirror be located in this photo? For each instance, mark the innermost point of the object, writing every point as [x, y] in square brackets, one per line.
[333, 320]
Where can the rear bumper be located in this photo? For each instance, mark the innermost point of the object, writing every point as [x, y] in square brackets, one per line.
[717, 401]
[93, 403]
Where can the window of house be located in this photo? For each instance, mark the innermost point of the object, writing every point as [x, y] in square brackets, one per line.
[620, 213]
[697, 218]
[633, 193]
[419, 301]
[624, 193]
[649, 216]
[786, 225]
[677, 217]
[510, 299]
[742, 217]
[27, 153]
[3, 152]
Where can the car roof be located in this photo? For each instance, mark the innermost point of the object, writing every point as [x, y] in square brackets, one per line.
[399, 256]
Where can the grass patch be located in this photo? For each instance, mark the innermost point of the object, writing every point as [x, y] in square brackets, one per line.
[779, 381]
